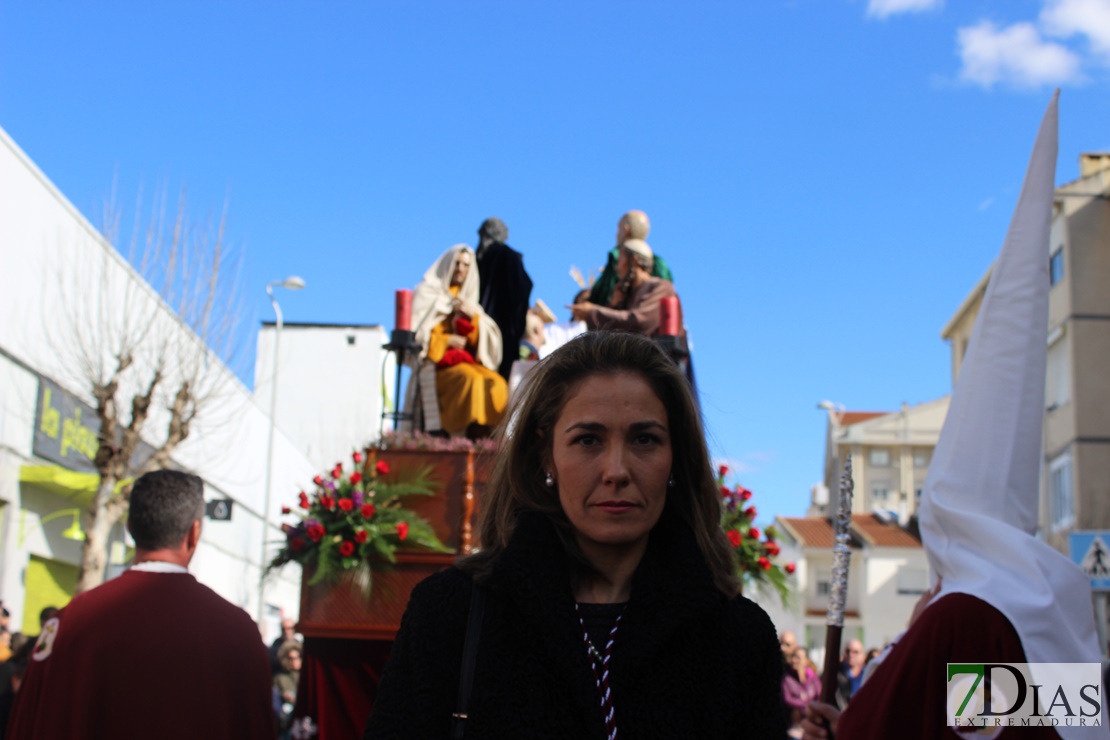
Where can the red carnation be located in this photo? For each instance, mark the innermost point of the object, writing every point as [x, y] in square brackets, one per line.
[463, 326]
[367, 511]
[315, 533]
[744, 493]
[304, 504]
[318, 480]
[790, 568]
[346, 548]
[764, 563]
[382, 467]
[346, 504]
[286, 510]
[296, 544]
[402, 530]
[360, 536]
[356, 456]
[337, 471]
[750, 512]
[772, 548]
[734, 537]
[722, 471]
[725, 493]
[356, 478]
[327, 502]
[753, 533]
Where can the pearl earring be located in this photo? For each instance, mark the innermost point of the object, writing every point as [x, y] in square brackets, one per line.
[670, 482]
[549, 481]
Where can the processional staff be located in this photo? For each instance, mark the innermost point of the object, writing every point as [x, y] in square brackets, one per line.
[838, 591]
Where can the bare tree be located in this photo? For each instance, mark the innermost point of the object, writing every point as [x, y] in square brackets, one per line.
[148, 337]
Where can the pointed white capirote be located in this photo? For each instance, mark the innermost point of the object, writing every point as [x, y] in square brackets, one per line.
[980, 500]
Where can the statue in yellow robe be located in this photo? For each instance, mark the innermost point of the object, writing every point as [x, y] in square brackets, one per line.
[463, 342]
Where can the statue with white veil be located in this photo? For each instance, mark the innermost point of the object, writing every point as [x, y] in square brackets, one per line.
[463, 343]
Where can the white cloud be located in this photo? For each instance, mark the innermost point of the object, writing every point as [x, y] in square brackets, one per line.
[1016, 55]
[885, 8]
[1090, 18]
[986, 203]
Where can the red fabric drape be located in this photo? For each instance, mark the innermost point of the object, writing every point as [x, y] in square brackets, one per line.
[338, 685]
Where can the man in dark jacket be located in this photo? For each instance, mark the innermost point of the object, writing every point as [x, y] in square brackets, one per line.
[505, 287]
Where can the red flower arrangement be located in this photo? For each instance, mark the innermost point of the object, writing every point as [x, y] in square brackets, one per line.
[352, 523]
[756, 551]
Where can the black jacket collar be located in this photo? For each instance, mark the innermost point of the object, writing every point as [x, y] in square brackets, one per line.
[671, 590]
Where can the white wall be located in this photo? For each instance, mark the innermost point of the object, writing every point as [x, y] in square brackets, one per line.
[887, 611]
[47, 252]
[329, 386]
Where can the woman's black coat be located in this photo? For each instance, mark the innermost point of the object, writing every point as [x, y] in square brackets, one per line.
[687, 662]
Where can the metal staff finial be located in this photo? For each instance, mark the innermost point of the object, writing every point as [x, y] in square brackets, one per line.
[838, 589]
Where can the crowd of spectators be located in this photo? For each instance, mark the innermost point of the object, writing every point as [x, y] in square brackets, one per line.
[801, 680]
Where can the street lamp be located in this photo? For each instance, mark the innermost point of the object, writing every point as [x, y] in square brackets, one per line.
[290, 283]
[72, 532]
[834, 411]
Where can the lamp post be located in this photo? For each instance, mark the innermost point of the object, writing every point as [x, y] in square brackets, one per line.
[290, 283]
[835, 413]
[72, 532]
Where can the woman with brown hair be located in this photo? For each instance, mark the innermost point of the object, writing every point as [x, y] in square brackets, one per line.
[603, 600]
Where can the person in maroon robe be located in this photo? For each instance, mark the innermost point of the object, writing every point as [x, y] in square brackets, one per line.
[1001, 594]
[903, 697]
[153, 653]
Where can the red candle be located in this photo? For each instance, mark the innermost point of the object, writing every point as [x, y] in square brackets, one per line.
[402, 305]
[669, 318]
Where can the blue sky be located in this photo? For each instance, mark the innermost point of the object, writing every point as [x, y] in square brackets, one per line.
[827, 178]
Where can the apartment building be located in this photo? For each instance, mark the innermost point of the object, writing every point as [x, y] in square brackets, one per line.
[1075, 471]
[890, 453]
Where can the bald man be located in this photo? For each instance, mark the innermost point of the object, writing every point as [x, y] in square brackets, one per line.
[641, 312]
[632, 225]
[850, 677]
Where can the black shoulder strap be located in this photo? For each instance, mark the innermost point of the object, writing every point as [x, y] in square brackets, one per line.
[470, 656]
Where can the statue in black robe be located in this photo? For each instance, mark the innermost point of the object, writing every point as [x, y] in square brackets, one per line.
[505, 287]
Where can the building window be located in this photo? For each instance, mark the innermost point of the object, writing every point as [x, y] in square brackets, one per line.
[879, 497]
[912, 581]
[1057, 376]
[917, 498]
[921, 458]
[1061, 503]
[1056, 266]
[823, 583]
[880, 457]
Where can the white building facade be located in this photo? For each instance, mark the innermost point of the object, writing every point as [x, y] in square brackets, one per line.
[334, 382]
[887, 574]
[48, 433]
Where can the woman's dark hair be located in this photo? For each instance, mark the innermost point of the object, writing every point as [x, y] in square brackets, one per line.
[516, 483]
